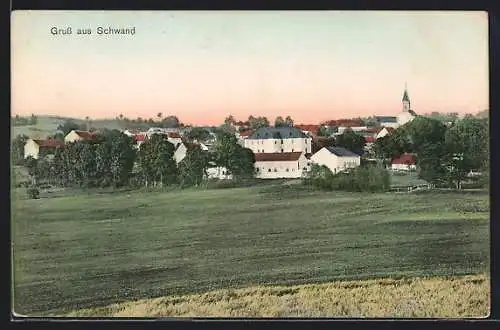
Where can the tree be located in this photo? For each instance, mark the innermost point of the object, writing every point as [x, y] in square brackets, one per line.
[237, 160]
[351, 141]
[159, 115]
[279, 122]
[171, 122]
[289, 121]
[467, 144]
[198, 134]
[156, 161]
[68, 126]
[193, 167]
[31, 165]
[33, 120]
[17, 149]
[257, 122]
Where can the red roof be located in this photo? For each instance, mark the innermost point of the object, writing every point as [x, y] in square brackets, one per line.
[140, 137]
[405, 159]
[51, 143]
[277, 156]
[310, 128]
[369, 139]
[173, 135]
[86, 135]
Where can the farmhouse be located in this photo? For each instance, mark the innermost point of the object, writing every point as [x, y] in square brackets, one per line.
[76, 135]
[183, 147]
[139, 139]
[280, 165]
[217, 172]
[174, 138]
[36, 148]
[278, 139]
[405, 162]
[336, 158]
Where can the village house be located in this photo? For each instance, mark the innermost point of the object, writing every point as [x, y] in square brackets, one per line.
[183, 147]
[76, 135]
[278, 139]
[139, 139]
[405, 162]
[337, 159]
[217, 172]
[174, 137]
[36, 148]
[309, 130]
[383, 131]
[280, 165]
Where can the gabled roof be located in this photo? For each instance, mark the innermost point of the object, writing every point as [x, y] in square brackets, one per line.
[174, 135]
[277, 156]
[140, 137]
[369, 139]
[405, 159]
[86, 135]
[51, 143]
[390, 130]
[341, 152]
[284, 132]
[386, 119]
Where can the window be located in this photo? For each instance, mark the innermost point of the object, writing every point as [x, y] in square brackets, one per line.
[281, 149]
[290, 133]
[281, 141]
[292, 149]
[275, 142]
[275, 170]
[287, 170]
[305, 169]
[269, 170]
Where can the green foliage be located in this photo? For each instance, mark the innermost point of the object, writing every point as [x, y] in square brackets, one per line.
[156, 161]
[257, 122]
[69, 126]
[238, 161]
[192, 168]
[24, 121]
[360, 179]
[280, 122]
[17, 149]
[33, 192]
[351, 141]
[198, 134]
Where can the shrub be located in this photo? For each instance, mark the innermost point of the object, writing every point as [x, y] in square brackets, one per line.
[33, 193]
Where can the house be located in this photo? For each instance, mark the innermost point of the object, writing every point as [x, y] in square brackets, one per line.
[383, 131]
[405, 162]
[131, 132]
[387, 121]
[76, 135]
[280, 165]
[309, 130]
[174, 138]
[183, 147]
[336, 159]
[217, 172]
[278, 139]
[36, 148]
[139, 139]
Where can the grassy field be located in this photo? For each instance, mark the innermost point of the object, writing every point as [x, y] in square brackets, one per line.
[82, 251]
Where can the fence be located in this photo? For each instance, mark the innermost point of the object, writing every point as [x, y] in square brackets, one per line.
[411, 188]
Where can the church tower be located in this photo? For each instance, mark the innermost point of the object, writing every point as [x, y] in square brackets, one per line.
[406, 100]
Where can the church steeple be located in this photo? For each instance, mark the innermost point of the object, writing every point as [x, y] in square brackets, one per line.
[406, 100]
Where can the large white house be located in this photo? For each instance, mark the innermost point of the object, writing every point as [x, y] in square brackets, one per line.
[278, 140]
[280, 165]
[33, 148]
[337, 159]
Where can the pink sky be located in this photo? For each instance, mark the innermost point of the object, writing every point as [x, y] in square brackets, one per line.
[202, 66]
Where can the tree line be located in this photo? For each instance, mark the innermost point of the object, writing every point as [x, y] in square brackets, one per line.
[112, 160]
[24, 121]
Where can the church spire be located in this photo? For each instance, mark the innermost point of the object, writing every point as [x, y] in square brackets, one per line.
[406, 99]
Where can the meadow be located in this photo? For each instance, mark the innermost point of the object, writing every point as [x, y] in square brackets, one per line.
[75, 251]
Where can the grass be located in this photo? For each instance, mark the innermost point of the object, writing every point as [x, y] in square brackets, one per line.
[405, 179]
[93, 250]
[442, 297]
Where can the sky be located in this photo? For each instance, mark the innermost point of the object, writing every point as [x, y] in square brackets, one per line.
[204, 65]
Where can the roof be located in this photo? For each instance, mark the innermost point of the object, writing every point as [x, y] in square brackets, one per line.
[51, 143]
[309, 128]
[277, 156]
[345, 123]
[405, 96]
[140, 137]
[86, 135]
[388, 129]
[284, 132]
[369, 139]
[341, 152]
[386, 119]
[173, 135]
[405, 159]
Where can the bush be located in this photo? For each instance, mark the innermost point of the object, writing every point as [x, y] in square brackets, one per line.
[360, 179]
[33, 193]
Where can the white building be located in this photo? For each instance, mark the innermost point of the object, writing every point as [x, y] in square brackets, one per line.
[387, 121]
[278, 140]
[280, 165]
[383, 132]
[174, 137]
[217, 172]
[336, 159]
[405, 162]
[76, 135]
[33, 148]
[407, 114]
[180, 152]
